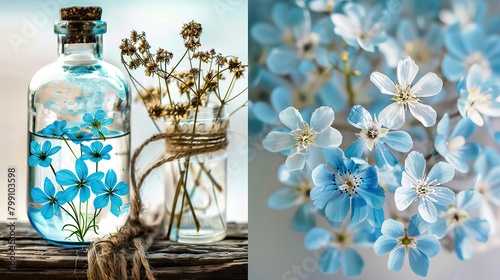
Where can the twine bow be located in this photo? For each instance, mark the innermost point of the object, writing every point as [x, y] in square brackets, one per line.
[107, 258]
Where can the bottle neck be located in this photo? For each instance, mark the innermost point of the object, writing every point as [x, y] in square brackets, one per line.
[73, 50]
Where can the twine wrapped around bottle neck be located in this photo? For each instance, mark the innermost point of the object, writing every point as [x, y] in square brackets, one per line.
[107, 258]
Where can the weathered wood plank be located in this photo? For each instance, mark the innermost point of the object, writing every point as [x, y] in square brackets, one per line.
[38, 259]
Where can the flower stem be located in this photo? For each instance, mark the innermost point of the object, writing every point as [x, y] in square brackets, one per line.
[69, 147]
[347, 71]
[174, 205]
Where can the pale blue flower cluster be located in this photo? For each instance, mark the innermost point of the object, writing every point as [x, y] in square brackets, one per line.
[374, 107]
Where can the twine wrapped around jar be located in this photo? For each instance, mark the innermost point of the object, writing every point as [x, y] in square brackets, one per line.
[107, 258]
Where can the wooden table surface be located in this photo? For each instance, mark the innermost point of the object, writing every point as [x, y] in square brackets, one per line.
[38, 259]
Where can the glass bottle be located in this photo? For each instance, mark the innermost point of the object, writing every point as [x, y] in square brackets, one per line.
[79, 137]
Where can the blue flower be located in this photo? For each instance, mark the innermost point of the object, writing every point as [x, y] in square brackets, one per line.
[79, 182]
[478, 96]
[391, 180]
[269, 113]
[309, 140]
[400, 241]
[415, 184]
[359, 29]
[351, 186]
[338, 248]
[407, 95]
[50, 198]
[109, 191]
[454, 148]
[457, 218]
[467, 47]
[97, 124]
[464, 12]
[96, 152]
[79, 137]
[57, 128]
[298, 194]
[488, 184]
[42, 156]
[374, 137]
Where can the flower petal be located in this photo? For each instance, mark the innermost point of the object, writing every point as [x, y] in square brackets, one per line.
[106, 149]
[406, 71]
[322, 118]
[321, 176]
[35, 148]
[429, 85]
[467, 200]
[384, 158]
[53, 151]
[49, 187]
[66, 178]
[419, 262]
[70, 193]
[337, 208]
[98, 188]
[352, 263]
[463, 246]
[94, 176]
[392, 116]
[84, 194]
[39, 196]
[359, 116]
[424, 113]
[404, 196]
[110, 181]
[443, 196]
[392, 228]
[121, 188]
[295, 162]
[101, 201]
[427, 210]
[292, 118]
[304, 218]
[335, 158]
[87, 118]
[318, 238]
[290, 178]
[46, 147]
[283, 198]
[415, 165]
[429, 245]
[265, 113]
[441, 173]
[396, 259]
[96, 146]
[357, 148]
[359, 210]
[439, 228]
[115, 200]
[321, 195]
[81, 169]
[100, 115]
[329, 261]
[86, 149]
[384, 244]
[477, 229]
[398, 140]
[328, 138]
[277, 141]
[34, 160]
[48, 211]
[383, 83]
[375, 197]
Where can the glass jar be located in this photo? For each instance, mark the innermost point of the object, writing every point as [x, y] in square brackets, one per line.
[79, 138]
[205, 177]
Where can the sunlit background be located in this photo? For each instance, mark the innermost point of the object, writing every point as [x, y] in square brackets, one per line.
[28, 43]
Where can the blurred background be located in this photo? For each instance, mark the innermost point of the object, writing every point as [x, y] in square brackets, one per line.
[29, 43]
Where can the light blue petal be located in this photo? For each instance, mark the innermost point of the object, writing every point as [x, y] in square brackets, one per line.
[441, 173]
[121, 188]
[283, 198]
[337, 209]
[96, 146]
[110, 180]
[404, 196]
[375, 217]
[87, 118]
[359, 116]
[328, 138]
[452, 68]
[53, 151]
[101, 201]
[84, 194]
[384, 158]
[280, 99]
[335, 158]
[86, 149]
[443, 196]
[392, 228]
[429, 245]
[46, 162]
[384, 245]
[415, 165]
[47, 211]
[289, 178]
[321, 195]
[265, 33]
[315, 157]
[115, 200]
[457, 162]
[277, 141]
[66, 178]
[304, 218]
[396, 259]
[463, 246]
[369, 179]
[473, 37]
[477, 229]
[398, 140]
[440, 145]
[295, 162]
[419, 262]
[49, 187]
[467, 200]
[106, 157]
[81, 169]
[281, 60]
[443, 127]
[322, 118]
[35, 148]
[375, 197]
[86, 157]
[291, 118]
[454, 43]
[359, 209]
[39, 196]
[265, 113]
[71, 193]
[106, 122]
[100, 115]
[46, 147]
[34, 160]
[352, 263]
[318, 238]
[417, 225]
[329, 262]
[321, 176]
[357, 148]
[464, 128]
[98, 188]
[469, 151]
[427, 210]
[439, 228]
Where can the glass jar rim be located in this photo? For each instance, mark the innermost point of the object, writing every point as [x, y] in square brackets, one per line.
[68, 27]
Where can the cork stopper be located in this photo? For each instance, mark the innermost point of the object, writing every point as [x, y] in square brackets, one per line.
[81, 13]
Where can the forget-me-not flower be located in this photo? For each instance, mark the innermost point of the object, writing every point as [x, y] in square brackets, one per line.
[468, 47]
[464, 12]
[457, 218]
[57, 128]
[79, 137]
[79, 182]
[96, 152]
[454, 148]
[487, 183]
[308, 140]
[407, 95]
[50, 198]
[399, 241]
[109, 191]
[417, 185]
[374, 137]
[351, 186]
[478, 96]
[295, 195]
[269, 113]
[42, 155]
[97, 123]
[359, 29]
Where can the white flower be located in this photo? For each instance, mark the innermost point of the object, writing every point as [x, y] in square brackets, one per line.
[407, 96]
